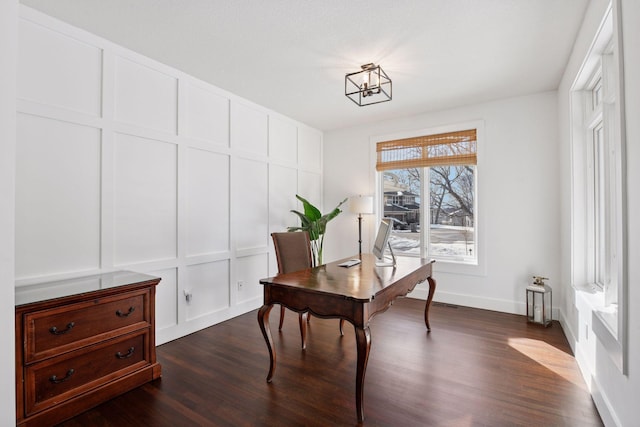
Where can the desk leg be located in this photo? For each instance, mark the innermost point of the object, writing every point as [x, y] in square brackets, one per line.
[363, 342]
[432, 290]
[263, 321]
[303, 319]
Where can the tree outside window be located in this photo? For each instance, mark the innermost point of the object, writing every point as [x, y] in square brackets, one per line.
[439, 189]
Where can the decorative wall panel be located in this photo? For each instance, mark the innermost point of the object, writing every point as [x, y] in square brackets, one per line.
[251, 204]
[57, 197]
[145, 200]
[166, 296]
[250, 270]
[283, 140]
[206, 115]
[208, 284]
[144, 96]
[248, 129]
[55, 69]
[207, 190]
[310, 149]
[283, 185]
[310, 187]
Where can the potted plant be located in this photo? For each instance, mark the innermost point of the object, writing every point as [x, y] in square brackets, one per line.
[313, 222]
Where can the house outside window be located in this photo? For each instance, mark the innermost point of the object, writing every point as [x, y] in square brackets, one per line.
[428, 188]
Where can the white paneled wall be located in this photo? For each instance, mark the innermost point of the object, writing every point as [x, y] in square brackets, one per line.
[285, 149]
[206, 115]
[145, 96]
[58, 197]
[207, 202]
[249, 129]
[144, 200]
[74, 66]
[125, 163]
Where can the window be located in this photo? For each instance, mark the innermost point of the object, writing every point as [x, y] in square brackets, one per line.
[598, 183]
[598, 190]
[603, 205]
[428, 189]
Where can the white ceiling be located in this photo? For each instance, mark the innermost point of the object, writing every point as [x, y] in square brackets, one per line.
[292, 55]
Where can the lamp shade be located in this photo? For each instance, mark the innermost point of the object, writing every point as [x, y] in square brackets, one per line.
[361, 204]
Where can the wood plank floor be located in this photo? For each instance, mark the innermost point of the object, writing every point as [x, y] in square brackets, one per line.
[476, 368]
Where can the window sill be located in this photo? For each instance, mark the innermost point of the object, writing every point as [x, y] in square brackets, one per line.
[453, 266]
[604, 322]
[471, 268]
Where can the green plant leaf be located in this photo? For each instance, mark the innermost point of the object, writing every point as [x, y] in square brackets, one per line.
[313, 222]
[310, 211]
[304, 220]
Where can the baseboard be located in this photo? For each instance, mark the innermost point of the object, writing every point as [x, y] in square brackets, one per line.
[494, 304]
[190, 326]
[608, 416]
[603, 405]
[568, 332]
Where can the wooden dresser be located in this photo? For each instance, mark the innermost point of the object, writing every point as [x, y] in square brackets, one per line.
[81, 342]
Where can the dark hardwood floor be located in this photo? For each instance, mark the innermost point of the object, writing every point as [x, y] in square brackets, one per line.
[476, 368]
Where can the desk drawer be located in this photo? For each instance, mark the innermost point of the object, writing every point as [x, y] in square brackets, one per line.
[58, 379]
[54, 331]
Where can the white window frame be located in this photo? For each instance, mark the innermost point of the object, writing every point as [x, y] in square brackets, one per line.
[599, 223]
[445, 265]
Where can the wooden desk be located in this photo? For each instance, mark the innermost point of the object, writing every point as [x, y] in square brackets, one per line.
[354, 294]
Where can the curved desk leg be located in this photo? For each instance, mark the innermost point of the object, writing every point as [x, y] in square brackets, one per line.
[303, 319]
[363, 342]
[281, 317]
[263, 321]
[432, 290]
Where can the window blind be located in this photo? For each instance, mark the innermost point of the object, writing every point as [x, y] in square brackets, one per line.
[451, 148]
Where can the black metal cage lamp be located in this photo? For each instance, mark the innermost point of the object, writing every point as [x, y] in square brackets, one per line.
[371, 85]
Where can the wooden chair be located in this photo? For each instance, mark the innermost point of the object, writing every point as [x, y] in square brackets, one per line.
[293, 253]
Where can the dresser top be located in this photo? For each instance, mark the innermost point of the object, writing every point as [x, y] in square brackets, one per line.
[81, 285]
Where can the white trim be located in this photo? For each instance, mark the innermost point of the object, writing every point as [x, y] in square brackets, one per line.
[607, 41]
[8, 53]
[495, 304]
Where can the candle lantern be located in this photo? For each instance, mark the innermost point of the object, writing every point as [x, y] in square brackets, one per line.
[539, 302]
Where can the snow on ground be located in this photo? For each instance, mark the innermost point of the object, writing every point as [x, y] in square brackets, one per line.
[446, 241]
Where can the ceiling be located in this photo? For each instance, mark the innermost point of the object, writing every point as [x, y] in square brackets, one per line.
[292, 55]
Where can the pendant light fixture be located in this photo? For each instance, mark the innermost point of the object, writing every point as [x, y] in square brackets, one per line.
[371, 85]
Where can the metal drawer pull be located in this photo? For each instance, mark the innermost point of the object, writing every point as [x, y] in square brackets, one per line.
[124, 356]
[55, 330]
[121, 314]
[54, 379]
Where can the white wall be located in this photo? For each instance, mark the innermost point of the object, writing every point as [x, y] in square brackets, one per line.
[125, 163]
[8, 53]
[518, 196]
[615, 394]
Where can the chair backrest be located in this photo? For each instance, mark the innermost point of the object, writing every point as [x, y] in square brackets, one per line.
[293, 251]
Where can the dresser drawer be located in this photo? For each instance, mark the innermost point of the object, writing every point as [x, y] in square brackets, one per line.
[53, 331]
[58, 379]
